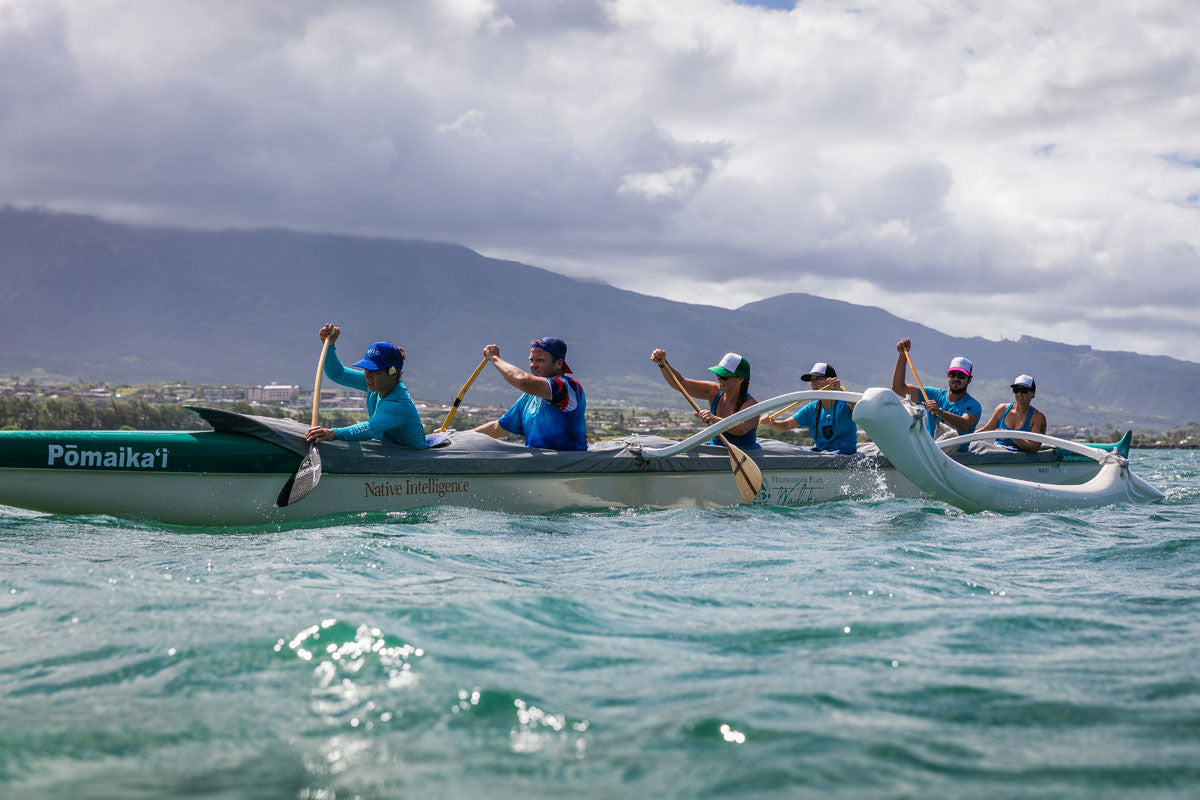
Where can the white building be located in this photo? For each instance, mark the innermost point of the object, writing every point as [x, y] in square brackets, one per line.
[272, 393]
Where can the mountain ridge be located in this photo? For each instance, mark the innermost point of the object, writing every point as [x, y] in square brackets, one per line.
[125, 303]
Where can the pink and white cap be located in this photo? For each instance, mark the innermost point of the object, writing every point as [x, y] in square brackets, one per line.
[960, 364]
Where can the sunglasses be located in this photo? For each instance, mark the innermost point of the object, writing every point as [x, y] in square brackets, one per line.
[1021, 390]
[959, 375]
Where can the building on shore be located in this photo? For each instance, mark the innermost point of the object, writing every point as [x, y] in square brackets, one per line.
[272, 393]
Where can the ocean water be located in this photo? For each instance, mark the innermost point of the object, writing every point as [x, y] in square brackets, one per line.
[890, 649]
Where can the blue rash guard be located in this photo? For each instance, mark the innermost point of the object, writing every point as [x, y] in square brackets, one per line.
[393, 419]
[833, 429]
[746, 441]
[1025, 426]
[554, 424]
[962, 406]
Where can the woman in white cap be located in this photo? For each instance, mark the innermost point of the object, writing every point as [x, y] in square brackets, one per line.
[393, 416]
[726, 396]
[829, 422]
[1019, 415]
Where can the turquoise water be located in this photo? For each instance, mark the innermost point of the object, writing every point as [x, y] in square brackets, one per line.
[886, 649]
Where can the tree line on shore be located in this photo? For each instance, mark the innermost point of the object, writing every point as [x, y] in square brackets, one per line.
[79, 414]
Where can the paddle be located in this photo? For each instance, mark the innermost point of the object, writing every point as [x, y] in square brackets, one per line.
[781, 412]
[917, 377]
[309, 472]
[774, 417]
[921, 386]
[461, 394]
[746, 473]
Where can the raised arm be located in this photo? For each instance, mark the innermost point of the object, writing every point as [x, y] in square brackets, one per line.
[517, 377]
[334, 370]
[704, 390]
[899, 385]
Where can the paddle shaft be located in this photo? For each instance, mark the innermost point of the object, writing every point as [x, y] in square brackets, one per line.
[317, 381]
[461, 394]
[675, 382]
[775, 417]
[920, 384]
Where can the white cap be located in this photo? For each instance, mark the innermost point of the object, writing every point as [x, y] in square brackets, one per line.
[1025, 380]
[819, 370]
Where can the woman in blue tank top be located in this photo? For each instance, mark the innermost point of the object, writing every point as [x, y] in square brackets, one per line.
[726, 396]
[1019, 415]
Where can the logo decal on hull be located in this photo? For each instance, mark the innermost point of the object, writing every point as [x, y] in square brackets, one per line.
[412, 486]
[121, 458]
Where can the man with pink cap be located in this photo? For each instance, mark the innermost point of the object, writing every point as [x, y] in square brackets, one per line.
[952, 405]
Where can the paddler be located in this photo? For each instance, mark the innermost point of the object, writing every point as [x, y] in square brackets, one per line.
[727, 395]
[951, 405]
[1019, 415]
[829, 422]
[393, 417]
[550, 412]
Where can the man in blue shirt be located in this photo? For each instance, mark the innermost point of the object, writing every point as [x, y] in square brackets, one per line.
[952, 405]
[550, 413]
[393, 416]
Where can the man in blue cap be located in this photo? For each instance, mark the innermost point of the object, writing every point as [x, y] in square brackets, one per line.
[393, 417]
[550, 413]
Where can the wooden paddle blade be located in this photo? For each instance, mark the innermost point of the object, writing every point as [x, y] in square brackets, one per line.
[746, 474]
[308, 474]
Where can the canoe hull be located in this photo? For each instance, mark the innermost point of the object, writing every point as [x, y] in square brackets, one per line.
[232, 476]
[248, 499]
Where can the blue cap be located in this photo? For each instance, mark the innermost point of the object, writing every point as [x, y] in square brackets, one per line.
[555, 347]
[380, 356]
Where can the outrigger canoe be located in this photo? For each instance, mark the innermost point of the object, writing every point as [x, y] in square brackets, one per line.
[232, 475]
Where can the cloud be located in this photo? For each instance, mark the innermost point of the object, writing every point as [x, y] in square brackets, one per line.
[470, 124]
[661, 185]
[1036, 164]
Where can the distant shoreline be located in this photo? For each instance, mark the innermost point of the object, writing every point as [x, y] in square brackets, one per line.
[1164, 447]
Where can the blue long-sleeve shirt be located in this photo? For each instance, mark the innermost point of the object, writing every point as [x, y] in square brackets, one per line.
[392, 418]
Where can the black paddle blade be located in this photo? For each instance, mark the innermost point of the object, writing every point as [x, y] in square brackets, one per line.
[308, 474]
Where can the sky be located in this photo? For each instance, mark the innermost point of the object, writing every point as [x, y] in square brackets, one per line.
[1029, 167]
